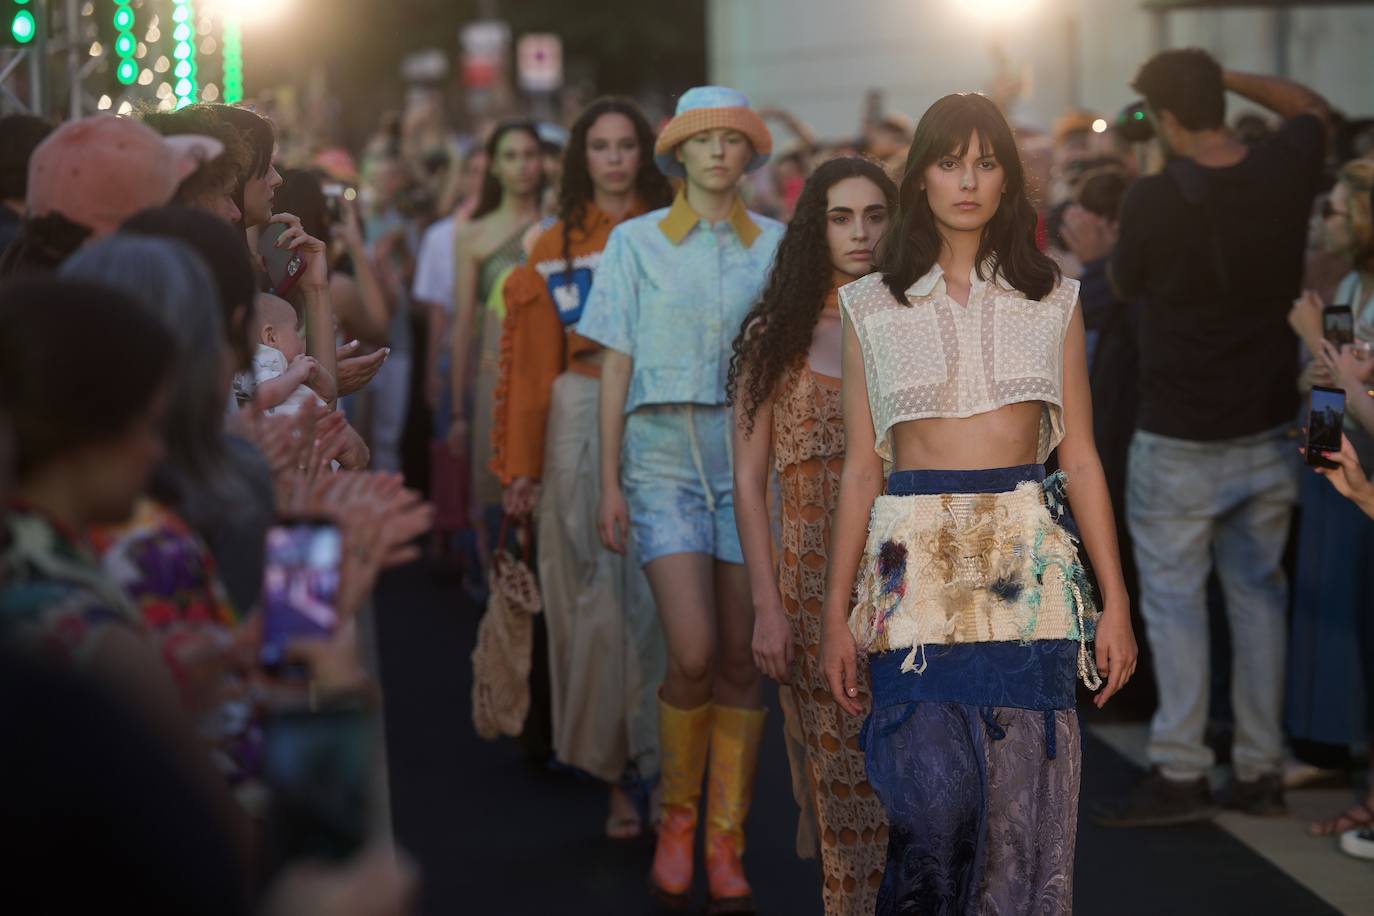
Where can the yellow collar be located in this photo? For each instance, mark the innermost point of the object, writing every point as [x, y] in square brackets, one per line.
[682, 218]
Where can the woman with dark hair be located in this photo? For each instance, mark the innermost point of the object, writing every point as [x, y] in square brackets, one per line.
[213, 187]
[785, 386]
[259, 181]
[484, 251]
[963, 367]
[544, 430]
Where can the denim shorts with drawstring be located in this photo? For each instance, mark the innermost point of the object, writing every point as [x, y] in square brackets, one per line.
[677, 472]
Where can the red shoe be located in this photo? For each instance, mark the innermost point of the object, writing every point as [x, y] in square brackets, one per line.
[684, 737]
[730, 891]
[671, 878]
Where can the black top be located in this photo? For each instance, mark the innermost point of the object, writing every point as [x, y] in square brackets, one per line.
[1217, 255]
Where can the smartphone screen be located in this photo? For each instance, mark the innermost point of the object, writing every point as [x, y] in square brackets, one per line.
[317, 766]
[1338, 325]
[300, 586]
[284, 266]
[1325, 417]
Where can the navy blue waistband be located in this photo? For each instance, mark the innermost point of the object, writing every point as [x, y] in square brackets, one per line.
[986, 480]
[1038, 675]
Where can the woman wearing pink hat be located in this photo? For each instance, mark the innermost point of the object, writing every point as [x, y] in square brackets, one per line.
[671, 291]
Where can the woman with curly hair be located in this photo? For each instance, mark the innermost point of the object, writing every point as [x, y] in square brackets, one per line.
[963, 368]
[785, 387]
[545, 451]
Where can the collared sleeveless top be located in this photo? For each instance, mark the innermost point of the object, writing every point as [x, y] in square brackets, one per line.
[937, 358]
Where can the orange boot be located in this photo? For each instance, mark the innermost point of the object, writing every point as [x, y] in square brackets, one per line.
[735, 738]
[684, 737]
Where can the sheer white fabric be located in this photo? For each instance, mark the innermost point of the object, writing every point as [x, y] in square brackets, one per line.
[937, 358]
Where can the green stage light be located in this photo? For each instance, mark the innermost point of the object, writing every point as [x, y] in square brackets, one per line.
[232, 49]
[23, 27]
[184, 15]
[126, 72]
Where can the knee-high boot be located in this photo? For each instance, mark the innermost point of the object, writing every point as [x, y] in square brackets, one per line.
[684, 737]
[735, 737]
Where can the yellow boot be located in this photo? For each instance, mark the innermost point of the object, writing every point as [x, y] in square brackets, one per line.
[684, 736]
[735, 737]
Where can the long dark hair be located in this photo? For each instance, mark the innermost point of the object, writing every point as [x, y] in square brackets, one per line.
[576, 190]
[913, 245]
[490, 197]
[776, 334]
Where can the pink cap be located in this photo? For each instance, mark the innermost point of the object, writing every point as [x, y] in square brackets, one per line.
[101, 170]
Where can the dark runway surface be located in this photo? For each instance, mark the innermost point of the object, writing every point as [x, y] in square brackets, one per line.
[497, 835]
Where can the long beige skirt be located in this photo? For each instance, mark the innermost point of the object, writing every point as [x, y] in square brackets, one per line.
[606, 653]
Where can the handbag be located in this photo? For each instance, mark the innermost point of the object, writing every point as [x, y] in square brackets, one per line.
[505, 638]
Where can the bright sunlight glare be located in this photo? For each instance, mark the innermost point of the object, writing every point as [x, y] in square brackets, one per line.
[248, 11]
[997, 10]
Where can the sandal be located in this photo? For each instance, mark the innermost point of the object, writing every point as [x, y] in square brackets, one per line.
[624, 825]
[1356, 816]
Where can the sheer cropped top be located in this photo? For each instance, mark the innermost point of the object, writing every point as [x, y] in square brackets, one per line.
[937, 358]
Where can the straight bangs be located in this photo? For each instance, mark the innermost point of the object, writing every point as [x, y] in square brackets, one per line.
[1008, 240]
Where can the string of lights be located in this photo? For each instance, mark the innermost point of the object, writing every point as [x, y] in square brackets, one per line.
[231, 56]
[184, 34]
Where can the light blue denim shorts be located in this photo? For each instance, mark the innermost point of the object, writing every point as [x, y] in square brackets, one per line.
[677, 471]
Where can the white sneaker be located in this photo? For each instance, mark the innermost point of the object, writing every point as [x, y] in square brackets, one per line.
[1359, 843]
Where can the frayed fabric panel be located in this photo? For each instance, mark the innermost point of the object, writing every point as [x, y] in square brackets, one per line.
[982, 566]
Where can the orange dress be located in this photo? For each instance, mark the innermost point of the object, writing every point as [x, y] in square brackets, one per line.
[808, 454]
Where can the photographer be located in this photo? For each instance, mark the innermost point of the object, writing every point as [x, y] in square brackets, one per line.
[1214, 246]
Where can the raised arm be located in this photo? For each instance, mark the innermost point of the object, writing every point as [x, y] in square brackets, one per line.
[1283, 97]
[753, 450]
[861, 482]
[1092, 509]
[315, 302]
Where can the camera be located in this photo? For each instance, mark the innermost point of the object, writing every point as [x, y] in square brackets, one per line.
[1133, 123]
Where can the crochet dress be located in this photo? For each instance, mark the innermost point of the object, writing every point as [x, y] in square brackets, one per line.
[808, 449]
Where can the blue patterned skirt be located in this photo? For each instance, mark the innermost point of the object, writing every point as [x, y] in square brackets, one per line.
[977, 760]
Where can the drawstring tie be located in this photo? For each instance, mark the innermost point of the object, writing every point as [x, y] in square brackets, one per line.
[994, 728]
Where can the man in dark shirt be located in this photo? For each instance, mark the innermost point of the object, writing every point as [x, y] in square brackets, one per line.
[1214, 248]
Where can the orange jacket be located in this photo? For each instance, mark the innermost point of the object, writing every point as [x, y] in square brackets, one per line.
[537, 340]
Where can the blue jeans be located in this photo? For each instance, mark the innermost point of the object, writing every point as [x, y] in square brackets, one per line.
[1188, 504]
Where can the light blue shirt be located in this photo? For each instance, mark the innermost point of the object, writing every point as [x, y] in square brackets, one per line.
[671, 292]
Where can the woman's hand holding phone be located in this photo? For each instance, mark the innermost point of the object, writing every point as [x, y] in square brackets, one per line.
[1350, 367]
[314, 251]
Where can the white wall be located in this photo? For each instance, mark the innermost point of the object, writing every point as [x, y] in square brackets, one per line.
[818, 58]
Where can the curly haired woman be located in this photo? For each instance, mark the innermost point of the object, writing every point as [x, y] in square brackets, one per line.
[785, 385]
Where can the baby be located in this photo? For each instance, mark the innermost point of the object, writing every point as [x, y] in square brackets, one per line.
[284, 377]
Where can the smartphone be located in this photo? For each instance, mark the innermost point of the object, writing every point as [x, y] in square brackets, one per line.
[317, 766]
[284, 266]
[1325, 417]
[335, 193]
[1338, 325]
[300, 587]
